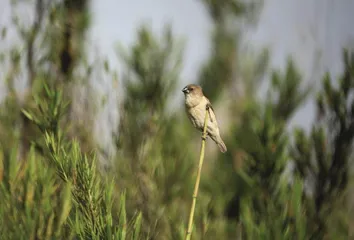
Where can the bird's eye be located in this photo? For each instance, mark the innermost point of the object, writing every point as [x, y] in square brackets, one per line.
[191, 89]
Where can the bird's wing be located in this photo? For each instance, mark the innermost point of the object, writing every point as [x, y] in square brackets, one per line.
[211, 111]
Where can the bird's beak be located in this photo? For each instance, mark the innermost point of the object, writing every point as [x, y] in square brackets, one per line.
[185, 90]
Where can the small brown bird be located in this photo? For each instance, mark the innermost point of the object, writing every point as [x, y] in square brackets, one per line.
[196, 104]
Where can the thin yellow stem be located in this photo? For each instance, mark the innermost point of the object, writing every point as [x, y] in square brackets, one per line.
[196, 186]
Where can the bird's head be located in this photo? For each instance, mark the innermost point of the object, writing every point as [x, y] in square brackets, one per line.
[192, 89]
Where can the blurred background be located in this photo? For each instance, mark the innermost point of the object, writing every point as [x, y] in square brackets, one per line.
[95, 143]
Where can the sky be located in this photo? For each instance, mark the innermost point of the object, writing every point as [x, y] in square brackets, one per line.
[313, 32]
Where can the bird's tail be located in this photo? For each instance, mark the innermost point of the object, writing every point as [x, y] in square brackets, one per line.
[220, 143]
[222, 146]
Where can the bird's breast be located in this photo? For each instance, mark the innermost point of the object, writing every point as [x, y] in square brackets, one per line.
[197, 115]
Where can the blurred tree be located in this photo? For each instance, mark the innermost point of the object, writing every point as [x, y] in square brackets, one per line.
[221, 70]
[45, 60]
[324, 157]
[149, 141]
[73, 25]
[246, 193]
[153, 71]
[158, 145]
[254, 169]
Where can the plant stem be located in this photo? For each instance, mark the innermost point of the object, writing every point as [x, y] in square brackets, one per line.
[196, 187]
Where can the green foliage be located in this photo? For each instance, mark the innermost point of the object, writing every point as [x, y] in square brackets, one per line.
[257, 167]
[35, 205]
[325, 155]
[287, 222]
[53, 186]
[148, 165]
[286, 93]
[82, 203]
[153, 68]
[221, 69]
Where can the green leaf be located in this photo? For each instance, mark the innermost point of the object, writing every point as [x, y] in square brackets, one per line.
[137, 226]
[122, 217]
[66, 206]
[27, 114]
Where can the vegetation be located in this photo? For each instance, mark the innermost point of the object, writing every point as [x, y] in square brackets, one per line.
[58, 182]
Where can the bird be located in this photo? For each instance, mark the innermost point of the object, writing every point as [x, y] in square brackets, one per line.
[196, 105]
